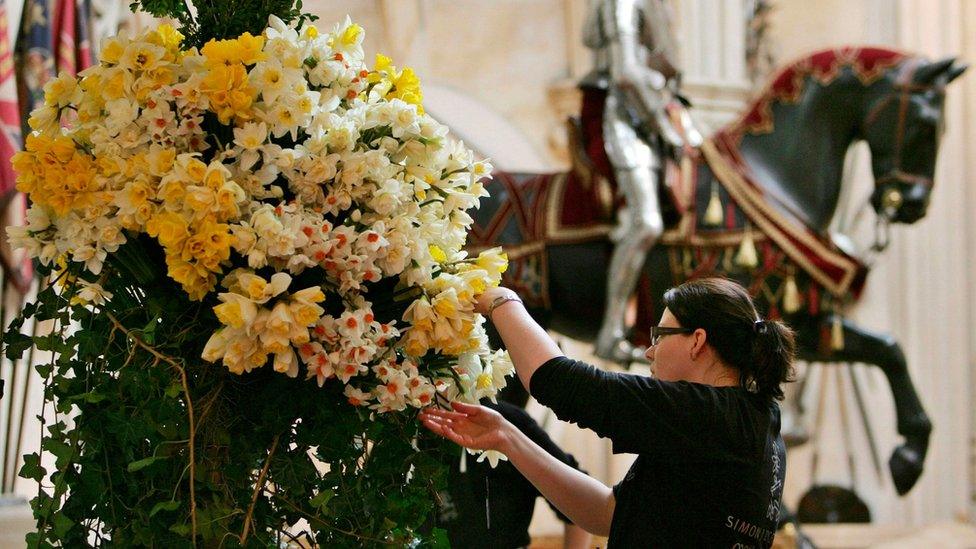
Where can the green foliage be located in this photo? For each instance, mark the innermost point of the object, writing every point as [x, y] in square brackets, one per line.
[221, 19]
[124, 385]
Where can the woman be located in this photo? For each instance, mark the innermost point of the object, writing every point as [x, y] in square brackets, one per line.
[711, 460]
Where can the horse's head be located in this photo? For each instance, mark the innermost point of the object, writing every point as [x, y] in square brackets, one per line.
[903, 126]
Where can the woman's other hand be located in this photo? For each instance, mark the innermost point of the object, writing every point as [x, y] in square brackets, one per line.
[468, 425]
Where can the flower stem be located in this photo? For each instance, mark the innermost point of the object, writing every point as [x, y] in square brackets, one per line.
[257, 489]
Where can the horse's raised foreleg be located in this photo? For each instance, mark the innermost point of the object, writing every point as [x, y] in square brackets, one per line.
[883, 351]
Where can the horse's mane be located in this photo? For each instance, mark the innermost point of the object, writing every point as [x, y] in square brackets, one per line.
[867, 62]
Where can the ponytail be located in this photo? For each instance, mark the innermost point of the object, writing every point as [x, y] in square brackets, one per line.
[771, 364]
[761, 350]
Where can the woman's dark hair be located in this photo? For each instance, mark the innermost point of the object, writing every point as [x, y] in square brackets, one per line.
[762, 350]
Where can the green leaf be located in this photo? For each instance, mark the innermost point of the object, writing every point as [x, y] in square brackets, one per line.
[160, 8]
[44, 370]
[90, 397]
[59, 449]
[49, 304]
[164, 506]
[62, 524]
[53, 342]
[32, 468]
[180, 529]
[149, 332]
[143, 463]
[321, 500]
[17, 343]
[174, 390]
[90, 346]
[33, 540]
[26, 312]
[440, 539]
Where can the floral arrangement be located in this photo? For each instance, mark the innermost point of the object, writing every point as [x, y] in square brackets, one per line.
[218, 220]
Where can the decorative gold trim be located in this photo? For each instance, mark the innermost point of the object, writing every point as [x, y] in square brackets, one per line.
[554, 206]
[724, 238]
[774, 225]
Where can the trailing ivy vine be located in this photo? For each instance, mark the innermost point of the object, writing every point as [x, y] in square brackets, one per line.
[155, 448]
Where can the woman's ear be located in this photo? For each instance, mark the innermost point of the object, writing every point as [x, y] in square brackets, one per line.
[700, 337]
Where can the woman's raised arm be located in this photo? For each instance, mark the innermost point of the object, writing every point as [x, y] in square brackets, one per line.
[527, 343]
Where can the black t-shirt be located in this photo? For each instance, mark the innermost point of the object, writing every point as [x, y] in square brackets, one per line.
[710, 464]
[492, 508]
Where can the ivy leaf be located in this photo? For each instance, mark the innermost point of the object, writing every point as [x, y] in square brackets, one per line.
[160, 8]
[32, 468]
[90, 397]
[44, 370]
[59, 449]
[49, 304]
[62, 524]
[321, 501]
[164, 506]
[53, 342]
[17, 343]
[174, 389]
[440, 539]
[89, 345]
[143, 463]
[34, 540]
[149, 332]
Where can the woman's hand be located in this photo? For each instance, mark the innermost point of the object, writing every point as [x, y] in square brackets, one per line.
[586, 501]
[486, 298]
[468, 425]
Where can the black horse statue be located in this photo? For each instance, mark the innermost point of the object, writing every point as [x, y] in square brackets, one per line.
[753, 203]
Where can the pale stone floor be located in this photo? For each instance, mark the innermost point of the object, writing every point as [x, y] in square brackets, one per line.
[15, 521]
[944, 535]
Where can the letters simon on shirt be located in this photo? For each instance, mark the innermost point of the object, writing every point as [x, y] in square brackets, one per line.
[751, 530]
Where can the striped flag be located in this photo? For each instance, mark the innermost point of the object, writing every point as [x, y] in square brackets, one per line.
[83, 36]
[70, 31]
[13, 205]
[36, 64]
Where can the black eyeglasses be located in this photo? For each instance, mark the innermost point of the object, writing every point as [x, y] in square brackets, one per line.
[657, 332]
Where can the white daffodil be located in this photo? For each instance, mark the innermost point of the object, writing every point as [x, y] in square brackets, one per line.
[92, 293]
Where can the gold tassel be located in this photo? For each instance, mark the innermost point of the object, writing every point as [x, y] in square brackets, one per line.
[713, 213]
[747, 256]
[791, 295]
[837, 334]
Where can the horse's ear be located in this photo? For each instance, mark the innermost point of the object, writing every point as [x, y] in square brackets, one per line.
[956, 71]
[926, 74]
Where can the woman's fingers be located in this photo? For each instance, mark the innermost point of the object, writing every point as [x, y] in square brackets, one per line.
[446, 431]
[468, 425]
[437, 412]
[442, 421]
[435, 426]
[468, 409]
